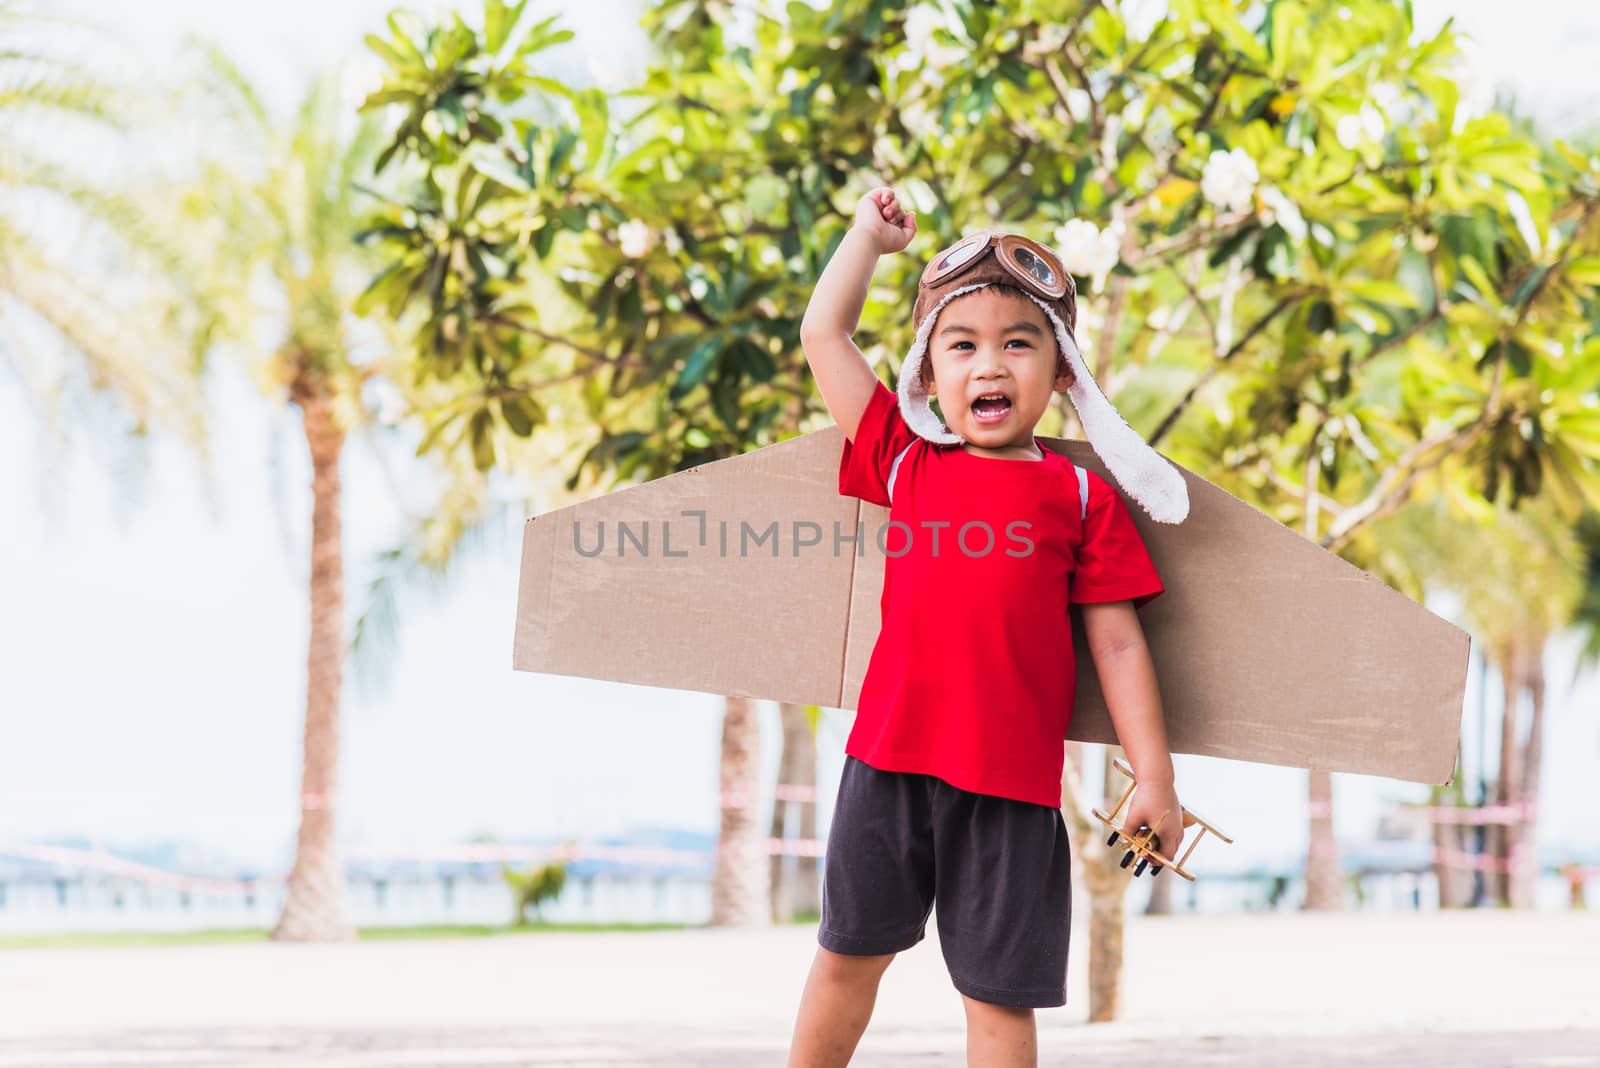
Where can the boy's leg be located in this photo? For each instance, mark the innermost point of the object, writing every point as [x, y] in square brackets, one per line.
[1000, 1036]
[1005, 910]
[835, 1008]
[877, 892]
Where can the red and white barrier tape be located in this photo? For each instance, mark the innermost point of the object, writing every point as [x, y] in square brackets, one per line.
[97, 860]
[1455, 858]
[1511, 812]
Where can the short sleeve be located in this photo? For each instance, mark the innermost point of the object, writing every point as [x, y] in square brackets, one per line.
[881, 436]
[1112, 563]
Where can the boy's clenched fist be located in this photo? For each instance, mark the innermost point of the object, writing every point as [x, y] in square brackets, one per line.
[880, 216]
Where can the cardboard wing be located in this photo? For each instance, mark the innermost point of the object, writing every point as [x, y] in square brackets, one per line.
[739, 577]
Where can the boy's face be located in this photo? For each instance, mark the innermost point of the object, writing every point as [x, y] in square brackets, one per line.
[988, 344]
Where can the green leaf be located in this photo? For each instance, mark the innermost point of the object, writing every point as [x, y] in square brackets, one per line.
[430, 438]
[1015, 71]
[594, 118]
[1288, 34]
[521, 414]
[1235, 243]
[498, 20]
[1382, 291]
[1275, 255]
[696, 367]
[481, 432]
[1222, 18]
[499, 170]
[1480, 282]
[1584, 270]
[755, 361]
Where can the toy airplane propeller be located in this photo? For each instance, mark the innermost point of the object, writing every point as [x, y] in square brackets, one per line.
[1146, 845]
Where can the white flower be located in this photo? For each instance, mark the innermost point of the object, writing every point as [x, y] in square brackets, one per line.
[1348, 130]
[1078, 105]
[917, 118]
[1283, 211]
[672, 241]
[1372, 123]
[1230, 179]
[635, 237]
[358, 79]
[391, 403]
[1360, 128]
[1085, 249]
[921, 47]
[1142, 16]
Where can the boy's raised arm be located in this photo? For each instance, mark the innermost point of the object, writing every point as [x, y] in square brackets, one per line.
[843, 376]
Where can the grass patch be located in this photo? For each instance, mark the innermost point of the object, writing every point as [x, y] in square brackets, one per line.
[224, 936]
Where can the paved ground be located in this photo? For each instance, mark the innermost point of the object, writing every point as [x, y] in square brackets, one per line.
[1494, 988]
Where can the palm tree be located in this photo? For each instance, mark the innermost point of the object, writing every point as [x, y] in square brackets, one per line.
[112, 315]
[739, 879]
[1103, 875]
[1519, 575]
[794, 887]
[280, 204]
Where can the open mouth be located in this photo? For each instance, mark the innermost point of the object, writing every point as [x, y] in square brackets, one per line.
[991, 408]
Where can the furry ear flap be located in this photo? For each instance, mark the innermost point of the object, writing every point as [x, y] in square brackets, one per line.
[1144, 474]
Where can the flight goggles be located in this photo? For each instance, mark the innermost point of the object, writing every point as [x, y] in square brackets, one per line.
[1033, 265]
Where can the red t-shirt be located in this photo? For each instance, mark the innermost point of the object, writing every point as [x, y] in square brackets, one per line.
[972, 676]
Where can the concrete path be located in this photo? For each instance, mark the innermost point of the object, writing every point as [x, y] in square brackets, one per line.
[1493, 988]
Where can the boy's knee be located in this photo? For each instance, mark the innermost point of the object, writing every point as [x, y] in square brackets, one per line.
[849, 967]
[990, 1010]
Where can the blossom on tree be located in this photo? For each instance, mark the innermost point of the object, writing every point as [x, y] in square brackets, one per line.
[1230, 179]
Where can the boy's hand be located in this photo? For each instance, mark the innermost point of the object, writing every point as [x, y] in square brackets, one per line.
[1147, 807]
[879, 215]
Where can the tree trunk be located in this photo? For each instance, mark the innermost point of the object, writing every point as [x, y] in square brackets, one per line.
[1105, 881]
[1160, 903]
[1455, 882]
[1524, 852]
[793, 879]
[738, 883]
[807, 895]
[313, 908]
[1508, 788]
[1324, 882]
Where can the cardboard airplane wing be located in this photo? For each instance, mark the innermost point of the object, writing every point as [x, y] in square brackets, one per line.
[738, 577]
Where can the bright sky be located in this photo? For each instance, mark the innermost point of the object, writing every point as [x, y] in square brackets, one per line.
[152, 657]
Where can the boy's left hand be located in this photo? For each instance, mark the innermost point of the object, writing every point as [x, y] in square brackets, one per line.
[1146, 807]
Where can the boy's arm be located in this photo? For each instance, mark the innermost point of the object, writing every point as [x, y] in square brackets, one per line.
[843, 376]
[1128, 680]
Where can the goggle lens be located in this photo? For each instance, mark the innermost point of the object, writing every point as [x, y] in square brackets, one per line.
[959, 255]
[1035, 265]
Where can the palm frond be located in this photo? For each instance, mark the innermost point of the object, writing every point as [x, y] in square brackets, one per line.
[136, 365]
[464, 526]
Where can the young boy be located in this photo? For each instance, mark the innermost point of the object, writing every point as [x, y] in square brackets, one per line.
[951, 790]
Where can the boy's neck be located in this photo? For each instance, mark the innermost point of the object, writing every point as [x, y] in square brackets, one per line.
[1027, 450]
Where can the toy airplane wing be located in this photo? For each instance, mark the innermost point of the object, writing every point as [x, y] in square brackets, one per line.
[1143, 843]
[737, 577]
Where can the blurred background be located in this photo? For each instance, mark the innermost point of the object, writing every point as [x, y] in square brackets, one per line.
[170, 265]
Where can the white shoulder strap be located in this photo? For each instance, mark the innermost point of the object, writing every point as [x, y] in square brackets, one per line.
[894, 469]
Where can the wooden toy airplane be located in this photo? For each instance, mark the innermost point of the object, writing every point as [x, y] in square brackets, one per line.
[1145, 846]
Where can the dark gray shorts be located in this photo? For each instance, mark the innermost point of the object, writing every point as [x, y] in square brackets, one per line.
[999, 870]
